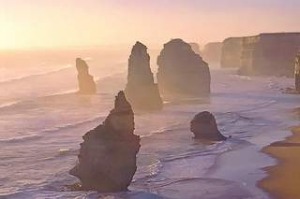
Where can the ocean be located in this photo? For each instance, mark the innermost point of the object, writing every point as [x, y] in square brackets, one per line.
[42, 121]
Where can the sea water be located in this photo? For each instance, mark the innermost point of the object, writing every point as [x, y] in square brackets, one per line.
[42, 121]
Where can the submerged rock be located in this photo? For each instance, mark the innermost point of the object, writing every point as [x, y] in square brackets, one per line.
[204, 126]
[297, 73]
[141, 90]
[107, 157]
[182, 72]
[270, 54]
[232, 52]
[85, 80]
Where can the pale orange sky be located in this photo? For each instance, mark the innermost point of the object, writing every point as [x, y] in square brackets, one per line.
[63, 23]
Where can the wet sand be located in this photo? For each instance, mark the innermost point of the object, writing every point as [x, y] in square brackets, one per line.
[283, 181]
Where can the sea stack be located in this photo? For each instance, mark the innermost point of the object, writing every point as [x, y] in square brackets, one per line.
[270, 54]
[107, 156]
[86, 82]
[182, 72]
[204, 127]
[297, 73]
[141, 91]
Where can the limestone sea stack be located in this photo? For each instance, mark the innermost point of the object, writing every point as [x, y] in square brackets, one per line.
[270, 54]
[141, 91]
[231, 52]
[204, 127]
[182, 72]
[85, 80]
[107, 156]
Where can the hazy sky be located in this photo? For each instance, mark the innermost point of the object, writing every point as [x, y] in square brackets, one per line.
[59, 23]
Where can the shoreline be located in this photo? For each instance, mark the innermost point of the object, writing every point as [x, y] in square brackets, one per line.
[283, 179]
[231, 167]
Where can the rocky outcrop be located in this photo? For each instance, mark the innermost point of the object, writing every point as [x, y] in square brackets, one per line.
[297, 73]
[212, 53]
[195, 47]
[85, 80]
[182, 72]
[204, 126]
[141, 91]
[107, 156]
[270, 54]
[232, 52]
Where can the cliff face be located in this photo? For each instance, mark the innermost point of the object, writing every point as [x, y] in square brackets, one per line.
[141, 90]
[232, 52]
[85, 80]
[181, 71]
[107, 156]
[297, 72]
[212, 52]
[249, 54]
[270, 54]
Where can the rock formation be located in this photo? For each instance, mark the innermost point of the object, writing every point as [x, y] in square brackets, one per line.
[107, 157]
[182, 72]
[212, 53]
[195, 47]
[270, 54]
[141, 91]
[297, 73]
[204, 126]
[85, 80]
[231, 52]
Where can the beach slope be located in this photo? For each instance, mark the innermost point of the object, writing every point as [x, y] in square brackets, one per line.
[284, 178]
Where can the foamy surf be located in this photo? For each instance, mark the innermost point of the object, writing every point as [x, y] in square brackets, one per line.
[34, 75]
[19, 139]
[169, 159]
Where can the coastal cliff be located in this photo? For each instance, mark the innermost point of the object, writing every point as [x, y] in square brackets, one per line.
[232, 52]
[270, 54]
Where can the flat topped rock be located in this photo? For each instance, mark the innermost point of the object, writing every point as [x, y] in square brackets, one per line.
[107, 157]
[269, 54]
[212, 52]
[204, 126]
[231, 52]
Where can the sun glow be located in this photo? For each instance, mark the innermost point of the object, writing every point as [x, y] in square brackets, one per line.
[8, 37]
[52, 24]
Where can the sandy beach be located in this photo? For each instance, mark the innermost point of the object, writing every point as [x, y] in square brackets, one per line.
[284, 178]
